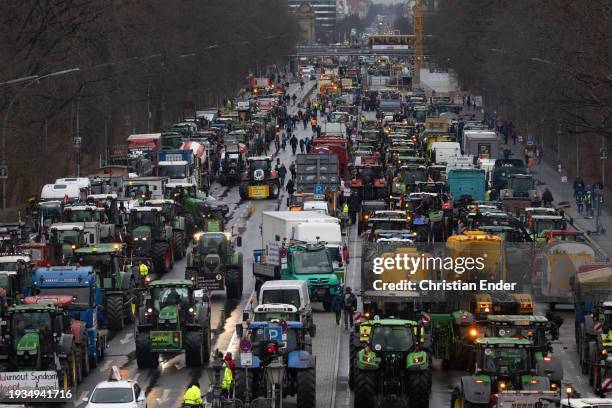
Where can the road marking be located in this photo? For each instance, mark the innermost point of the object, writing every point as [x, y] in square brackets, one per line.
[127, 338]
[229, 346]
[164, 396]
[80, 401]
[135, 377]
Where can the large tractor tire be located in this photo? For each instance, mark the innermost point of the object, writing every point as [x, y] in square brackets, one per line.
[79, 364]
[85, 358]
[353, 356]
[365, 389]
[178, 242]
[306, 388]
[194, 349]
[114, 313]
[73, 367]
[206, 343]
[233, 283]
[162, 257]
[222, 179]
[243, 190]
[189, 228]
[458, 401]
[419, 389]
[145, 358]
[274, 189]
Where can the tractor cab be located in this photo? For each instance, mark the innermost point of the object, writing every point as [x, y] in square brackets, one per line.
[66, 238]
[169, 303]
[137, 191]
[85, 213]
[15, 276]
[505, 362]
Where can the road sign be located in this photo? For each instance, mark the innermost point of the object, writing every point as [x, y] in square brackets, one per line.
[3, 171]
[275, 334]
[245, 345]
[318, 196]
[347, 191]
[319, 189]
[246, 359]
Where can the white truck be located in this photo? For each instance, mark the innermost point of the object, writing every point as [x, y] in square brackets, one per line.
[443, 152]
[480, 143]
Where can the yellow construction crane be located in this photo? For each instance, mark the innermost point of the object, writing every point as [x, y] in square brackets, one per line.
[418, 40]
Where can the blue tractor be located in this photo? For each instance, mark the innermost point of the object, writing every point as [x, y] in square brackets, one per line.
[86, 306]
[274, 342]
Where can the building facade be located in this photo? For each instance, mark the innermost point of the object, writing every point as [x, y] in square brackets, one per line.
[306, 24]
[325, 17]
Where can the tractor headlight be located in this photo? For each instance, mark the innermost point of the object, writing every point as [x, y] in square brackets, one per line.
[136, 238]
[148, 279]
[191, 310]
[32, 352]
[502, 385]
[20, 352]
[144, 238]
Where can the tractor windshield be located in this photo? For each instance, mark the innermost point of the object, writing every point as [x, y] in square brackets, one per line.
[547, 225]
[410, 176]
[170, 296]
[259, 165]
[309, 262]
[8, 266]
[136, 190]
[288, 297]
[144, 218]
[504, 361]
[537, 336]
[85, 216]
[522, 184]
[391, 338]
[369, 174]
[68, 237]
[31, 321]
[173, 171]
[212, 244]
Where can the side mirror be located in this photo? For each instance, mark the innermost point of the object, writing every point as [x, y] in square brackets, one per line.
[239, 331]
[239, 241]
[141, 397]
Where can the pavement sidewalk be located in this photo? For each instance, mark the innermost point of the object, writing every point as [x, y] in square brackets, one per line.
[549, 177]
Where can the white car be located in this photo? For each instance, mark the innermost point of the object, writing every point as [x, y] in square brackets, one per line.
[117, 394]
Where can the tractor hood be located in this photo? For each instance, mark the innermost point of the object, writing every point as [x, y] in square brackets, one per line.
[169, 313]
[28, 342]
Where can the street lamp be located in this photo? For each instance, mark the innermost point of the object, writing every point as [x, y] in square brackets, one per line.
[275, 374]
[29, 80]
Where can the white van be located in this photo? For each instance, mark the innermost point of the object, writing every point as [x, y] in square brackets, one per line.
[320, 207]
[51, 192]
[289, 292]
[443, 151]
[324, 230]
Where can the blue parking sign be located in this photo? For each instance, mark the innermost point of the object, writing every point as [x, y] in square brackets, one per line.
[274, 334]
[319, 189]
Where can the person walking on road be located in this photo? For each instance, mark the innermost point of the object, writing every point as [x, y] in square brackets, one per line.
[547, 198]
[290, 187]
[294, 142]
[337, 306]
[292, 170]
[193, 395]
[284, 141]
[350, 305]
[282, 172]
[302, 146]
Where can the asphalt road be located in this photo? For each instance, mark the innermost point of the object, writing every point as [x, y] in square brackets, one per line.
[165, 385]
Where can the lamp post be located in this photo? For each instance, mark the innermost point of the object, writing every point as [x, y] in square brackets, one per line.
[29, 80]
[275, 374]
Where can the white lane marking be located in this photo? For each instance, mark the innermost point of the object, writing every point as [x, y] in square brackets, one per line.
[128, 337]
[229, 346]
[80, 401]
[135, 376]
[164, 397]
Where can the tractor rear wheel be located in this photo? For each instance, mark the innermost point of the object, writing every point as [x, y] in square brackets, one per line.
[194, 349]
[243, 190]
[365, 389]
[79, 364]
[233, 283]
[114, 313]
[160, 257]
[306, 388]
[419, 389]
[207, 341]
[189, 228]
[85, 358]
[144, 357]
[353, 355]
[178, 241]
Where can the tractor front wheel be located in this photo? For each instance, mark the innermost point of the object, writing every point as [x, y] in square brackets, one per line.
[274, 189]
[145, 358]
[114, 313]
[194, 349]
[419, 389]
[365, 389]
[306, 388]
[162, 257]
[233, 283]
[178, 241]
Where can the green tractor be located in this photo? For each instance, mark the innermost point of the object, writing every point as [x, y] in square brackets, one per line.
[200, 212]
[39, 337]
[395, 363]
[180, 240]
[214, 263]
[173, 319]
[119, 284]
[150, 235]
[502, 364]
